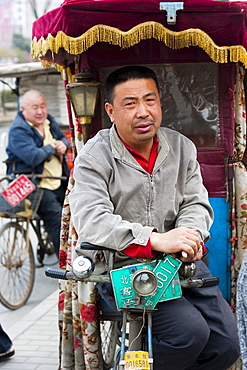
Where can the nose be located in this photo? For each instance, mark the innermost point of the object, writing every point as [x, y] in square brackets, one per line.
[142, 110]
[39, 110]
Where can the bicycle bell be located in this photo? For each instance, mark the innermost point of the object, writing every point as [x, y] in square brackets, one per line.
[187, 269]
[83, 267]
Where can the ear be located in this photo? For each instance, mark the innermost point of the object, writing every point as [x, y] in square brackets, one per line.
[110, 111]
[23, 111]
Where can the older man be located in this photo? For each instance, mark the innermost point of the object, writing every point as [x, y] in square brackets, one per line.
[37, 145]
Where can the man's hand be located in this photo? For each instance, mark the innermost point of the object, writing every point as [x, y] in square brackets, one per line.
[60, 149]
[182, 243]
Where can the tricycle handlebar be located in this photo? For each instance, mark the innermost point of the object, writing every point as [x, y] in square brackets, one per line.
[57, 273]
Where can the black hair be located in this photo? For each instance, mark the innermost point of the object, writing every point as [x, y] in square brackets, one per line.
[125, 74]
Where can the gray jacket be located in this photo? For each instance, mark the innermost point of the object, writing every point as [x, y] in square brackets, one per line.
[115, 203]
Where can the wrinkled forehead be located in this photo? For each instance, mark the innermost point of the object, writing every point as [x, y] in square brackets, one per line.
[141, 87]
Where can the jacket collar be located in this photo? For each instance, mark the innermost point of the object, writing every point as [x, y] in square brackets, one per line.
[121, 152]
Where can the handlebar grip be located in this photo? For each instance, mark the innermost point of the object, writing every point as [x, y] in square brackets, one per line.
[92, 247]
[56, 273]
[212, 281]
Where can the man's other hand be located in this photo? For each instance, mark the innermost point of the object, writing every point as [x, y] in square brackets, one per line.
[182, 243]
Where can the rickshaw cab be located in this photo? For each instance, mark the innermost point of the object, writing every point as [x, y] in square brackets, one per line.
[198, 50]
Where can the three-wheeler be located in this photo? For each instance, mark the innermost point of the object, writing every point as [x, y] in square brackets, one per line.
[198, 50]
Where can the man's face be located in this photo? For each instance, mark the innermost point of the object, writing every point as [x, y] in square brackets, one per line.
[35, 110]
[136, 111]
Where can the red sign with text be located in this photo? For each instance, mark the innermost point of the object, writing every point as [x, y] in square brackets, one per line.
[18, 190]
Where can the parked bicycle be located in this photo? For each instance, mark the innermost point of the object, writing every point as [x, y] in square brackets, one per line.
[17, 261]
[137, 290]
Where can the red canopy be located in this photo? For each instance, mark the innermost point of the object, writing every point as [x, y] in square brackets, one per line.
[105, 33]
[217, 27]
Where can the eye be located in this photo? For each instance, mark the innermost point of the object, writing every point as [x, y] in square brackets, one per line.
[151, 101]
[129, 104]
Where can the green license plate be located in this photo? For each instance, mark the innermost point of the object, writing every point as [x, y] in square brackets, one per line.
[173, 291]
[165, 270]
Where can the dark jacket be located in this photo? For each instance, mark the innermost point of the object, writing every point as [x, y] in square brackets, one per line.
[25, 146]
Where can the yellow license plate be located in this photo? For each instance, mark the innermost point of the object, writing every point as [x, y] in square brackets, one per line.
[136, 360]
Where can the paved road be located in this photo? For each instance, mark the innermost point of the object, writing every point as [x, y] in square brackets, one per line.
[43, 287]
[36, 338]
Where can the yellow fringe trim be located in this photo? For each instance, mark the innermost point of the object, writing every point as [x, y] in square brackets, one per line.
[144, 31]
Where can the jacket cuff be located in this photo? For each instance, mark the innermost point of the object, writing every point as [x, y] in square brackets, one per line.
[143, 236]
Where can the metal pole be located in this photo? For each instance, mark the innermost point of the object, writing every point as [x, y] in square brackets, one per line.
[70, 118]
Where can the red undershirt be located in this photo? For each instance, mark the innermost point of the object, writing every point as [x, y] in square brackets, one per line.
[136, 250]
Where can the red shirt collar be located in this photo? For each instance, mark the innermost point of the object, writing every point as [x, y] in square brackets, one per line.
[147, 165]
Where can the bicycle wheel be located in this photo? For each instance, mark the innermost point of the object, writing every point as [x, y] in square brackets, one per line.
[17, 267]
[109, 337]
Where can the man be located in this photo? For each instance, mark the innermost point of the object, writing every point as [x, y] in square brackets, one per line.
[37, 145]
[138, 190]
[6, 346]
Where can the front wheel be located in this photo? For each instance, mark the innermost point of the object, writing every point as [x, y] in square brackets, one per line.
[109, 337]
[17, 266]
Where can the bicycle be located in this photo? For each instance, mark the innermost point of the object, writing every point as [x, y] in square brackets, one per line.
[17, 261]
[137, 290]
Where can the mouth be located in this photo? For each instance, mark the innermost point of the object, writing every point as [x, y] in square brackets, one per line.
[144, 127]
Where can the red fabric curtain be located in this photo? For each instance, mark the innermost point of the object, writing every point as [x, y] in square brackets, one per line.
[223, 21]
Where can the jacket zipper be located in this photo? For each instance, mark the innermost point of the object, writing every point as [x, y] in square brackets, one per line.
[151, 182]
[150, 199]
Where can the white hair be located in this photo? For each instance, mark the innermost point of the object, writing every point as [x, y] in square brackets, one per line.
[30, 94]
